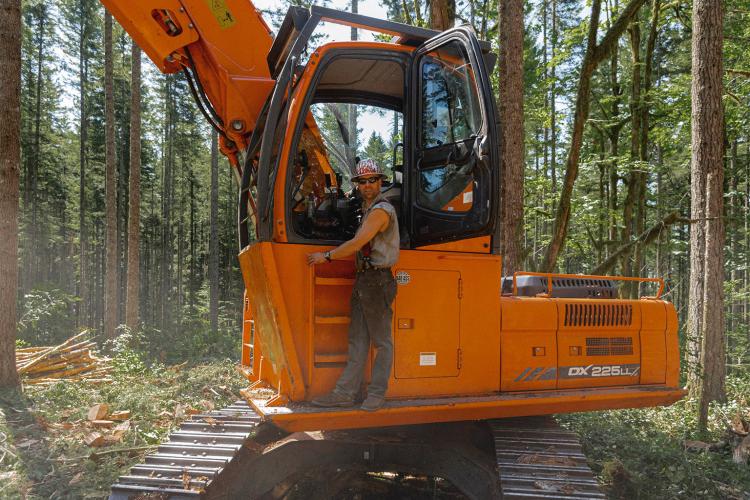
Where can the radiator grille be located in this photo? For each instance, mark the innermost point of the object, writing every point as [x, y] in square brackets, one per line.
[606, 346]
[598, 315]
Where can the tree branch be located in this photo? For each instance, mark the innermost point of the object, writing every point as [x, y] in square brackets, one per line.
[644, 239]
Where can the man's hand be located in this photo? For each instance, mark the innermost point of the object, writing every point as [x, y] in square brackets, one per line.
[316, 258]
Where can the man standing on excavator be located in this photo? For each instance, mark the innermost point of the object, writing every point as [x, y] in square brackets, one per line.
[376, 245]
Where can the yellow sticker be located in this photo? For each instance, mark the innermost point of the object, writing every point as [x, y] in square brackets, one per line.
[221, 13]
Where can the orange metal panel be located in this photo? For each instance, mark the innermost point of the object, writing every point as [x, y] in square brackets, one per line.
[228, 41]
[137, 17]
[598, 342]
[528, 344]
[269, 310]
[324, 292]
[426, 324]
[247, 327]
[480, 244]
[419, 411]
[653, 342]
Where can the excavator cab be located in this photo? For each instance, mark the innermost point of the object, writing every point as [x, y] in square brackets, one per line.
[445, 185]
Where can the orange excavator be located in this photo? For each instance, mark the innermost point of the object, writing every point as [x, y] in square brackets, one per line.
[478, 357]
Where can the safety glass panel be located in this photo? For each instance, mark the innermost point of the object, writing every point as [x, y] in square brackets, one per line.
[450, 105]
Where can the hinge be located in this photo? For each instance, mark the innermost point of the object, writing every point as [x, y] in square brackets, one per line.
[459, 358]
[460, 288]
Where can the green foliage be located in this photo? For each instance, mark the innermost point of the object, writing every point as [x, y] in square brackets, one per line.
[42, 459]
[642, 454]
[45, 317]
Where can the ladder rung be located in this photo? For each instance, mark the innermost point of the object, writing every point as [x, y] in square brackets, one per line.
[334, 281]
[333, 357]
[333, 320]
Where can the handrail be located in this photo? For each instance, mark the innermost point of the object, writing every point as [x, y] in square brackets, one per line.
[549, 277]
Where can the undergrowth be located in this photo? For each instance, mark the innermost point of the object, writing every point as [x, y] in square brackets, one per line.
[42, 430]
[637, 454]
[647, 453]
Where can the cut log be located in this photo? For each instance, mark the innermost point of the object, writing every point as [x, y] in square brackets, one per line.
[98, 412]
[95, 439]
[52, 350]
[120, 415]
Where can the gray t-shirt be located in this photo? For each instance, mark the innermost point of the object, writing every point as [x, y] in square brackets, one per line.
[384, 246]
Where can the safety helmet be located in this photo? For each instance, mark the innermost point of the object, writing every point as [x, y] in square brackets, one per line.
[367, 168]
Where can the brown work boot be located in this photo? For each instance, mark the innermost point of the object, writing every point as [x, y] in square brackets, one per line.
[372, 403]
[333, 399]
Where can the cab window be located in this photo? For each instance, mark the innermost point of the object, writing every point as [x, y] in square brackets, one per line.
[451, 118]
[450, 111]
[355, 112]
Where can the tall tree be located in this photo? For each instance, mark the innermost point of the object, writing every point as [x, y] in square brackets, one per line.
[595, 54]
[511, 111]
[34, 165]
[134, 205]
[110, 196]
[83, 74]
[10, 158]
[442, 14]
[213, 241]
[707, 170]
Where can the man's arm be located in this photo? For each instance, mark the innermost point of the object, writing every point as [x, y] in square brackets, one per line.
[377, 221]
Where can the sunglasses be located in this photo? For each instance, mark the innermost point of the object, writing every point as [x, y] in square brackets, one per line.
[371, 180]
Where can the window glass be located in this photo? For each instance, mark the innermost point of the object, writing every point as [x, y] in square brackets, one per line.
[450, 108]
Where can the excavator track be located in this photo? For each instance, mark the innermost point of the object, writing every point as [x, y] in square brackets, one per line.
[537, 459]
[192, 459]
[210, 455]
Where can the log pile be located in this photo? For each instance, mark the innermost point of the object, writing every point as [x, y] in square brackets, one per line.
[74, 359]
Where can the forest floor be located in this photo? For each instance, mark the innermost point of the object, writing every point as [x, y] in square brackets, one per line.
[638, 454]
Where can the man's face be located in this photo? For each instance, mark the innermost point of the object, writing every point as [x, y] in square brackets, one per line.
[369, 187]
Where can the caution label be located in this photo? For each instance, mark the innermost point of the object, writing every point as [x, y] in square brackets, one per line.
[427, 358]
[222, 14]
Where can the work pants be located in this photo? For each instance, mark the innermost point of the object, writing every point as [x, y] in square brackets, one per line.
[371, 317]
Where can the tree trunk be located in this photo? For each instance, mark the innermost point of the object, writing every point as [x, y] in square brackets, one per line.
[110, 197]
[213, 240]
[707, 163]
[595, 53]
[442, 14]
[10, 158]
[132, 294]
[553, 99]
[511, 111]
[83, 289]
[32, 257]
[630, 207]
[165, 297]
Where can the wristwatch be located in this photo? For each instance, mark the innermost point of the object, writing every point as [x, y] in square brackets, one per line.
[327, 255]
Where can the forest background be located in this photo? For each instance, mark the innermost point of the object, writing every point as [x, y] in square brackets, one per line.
[630, 202]
[625, 168]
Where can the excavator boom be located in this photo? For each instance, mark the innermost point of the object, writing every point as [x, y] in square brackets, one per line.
[220, 45]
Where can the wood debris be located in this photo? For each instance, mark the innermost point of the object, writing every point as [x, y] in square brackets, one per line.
[74, 359]
[120, 415]
[103, 424]
[95, 439]
[97, 412]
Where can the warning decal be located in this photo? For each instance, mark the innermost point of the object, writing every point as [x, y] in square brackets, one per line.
[221, 13]
[427, 358]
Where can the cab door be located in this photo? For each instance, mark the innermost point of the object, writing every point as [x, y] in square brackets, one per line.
[454, 179]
